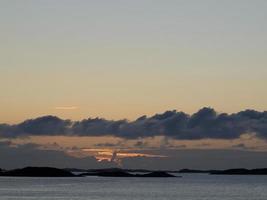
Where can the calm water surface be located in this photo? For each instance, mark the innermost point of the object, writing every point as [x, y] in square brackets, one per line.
[189, 187]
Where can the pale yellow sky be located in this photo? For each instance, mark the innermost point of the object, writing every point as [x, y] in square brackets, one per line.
[122, 60]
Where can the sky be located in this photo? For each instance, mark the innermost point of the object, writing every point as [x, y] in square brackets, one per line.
[116, 61]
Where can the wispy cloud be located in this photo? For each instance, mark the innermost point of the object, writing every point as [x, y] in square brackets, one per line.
[117, 155]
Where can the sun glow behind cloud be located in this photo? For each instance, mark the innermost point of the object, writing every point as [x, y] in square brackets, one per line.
[116, 155]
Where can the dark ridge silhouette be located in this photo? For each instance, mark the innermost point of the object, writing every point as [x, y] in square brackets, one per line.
[55, 172]
[106, 170]
[197, 171]
[241, 171]
[122, 173]
[116, 169]
[119, 169]
[38, 172]
[117, 172]
[75, 170]
[114, 174]
[157, 174]
[193, 171]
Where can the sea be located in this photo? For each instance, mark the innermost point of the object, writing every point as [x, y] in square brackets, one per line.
[188, 187]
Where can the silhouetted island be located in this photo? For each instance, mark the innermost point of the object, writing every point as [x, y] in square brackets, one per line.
[241, 171]
[193, 171]
[118, 169]
[38, 172]
[157, 174]
[121, 173]
[55, 172]
[117, 172]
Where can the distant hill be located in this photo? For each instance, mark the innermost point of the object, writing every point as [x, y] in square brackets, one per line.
[241, 171]
[38, 172]
[116, 169]
[55, 172]
[122, 173]
[157, 174]
[117, 172]
[193, 171]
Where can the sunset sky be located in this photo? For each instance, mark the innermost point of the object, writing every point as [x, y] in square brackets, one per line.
[65, 61]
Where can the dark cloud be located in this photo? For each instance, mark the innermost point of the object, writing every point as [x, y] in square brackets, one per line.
[47, 125]
[206, 123]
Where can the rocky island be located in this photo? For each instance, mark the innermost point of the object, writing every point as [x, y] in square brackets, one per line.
[55, 172]
[121, 173]
[241, 171]
[37, 172]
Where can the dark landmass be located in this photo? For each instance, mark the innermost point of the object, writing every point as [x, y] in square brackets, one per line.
[196, 171]
[55, 172]
[117, 172]
[38, 172]
[109, 174]
[238, 171]
[241, 171]
[106, 170]
[110, 170]
[75, 170]
[193, 171]
[117, 169]
[157, 174]
[122, 173]
[141, 170]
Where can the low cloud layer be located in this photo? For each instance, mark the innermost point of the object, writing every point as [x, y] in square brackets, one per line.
[199, 159]
[206, 123]
[18, 156]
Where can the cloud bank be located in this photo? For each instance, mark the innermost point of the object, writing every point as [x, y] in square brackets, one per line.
[204, 124]
[18, 156]
[33, 155]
